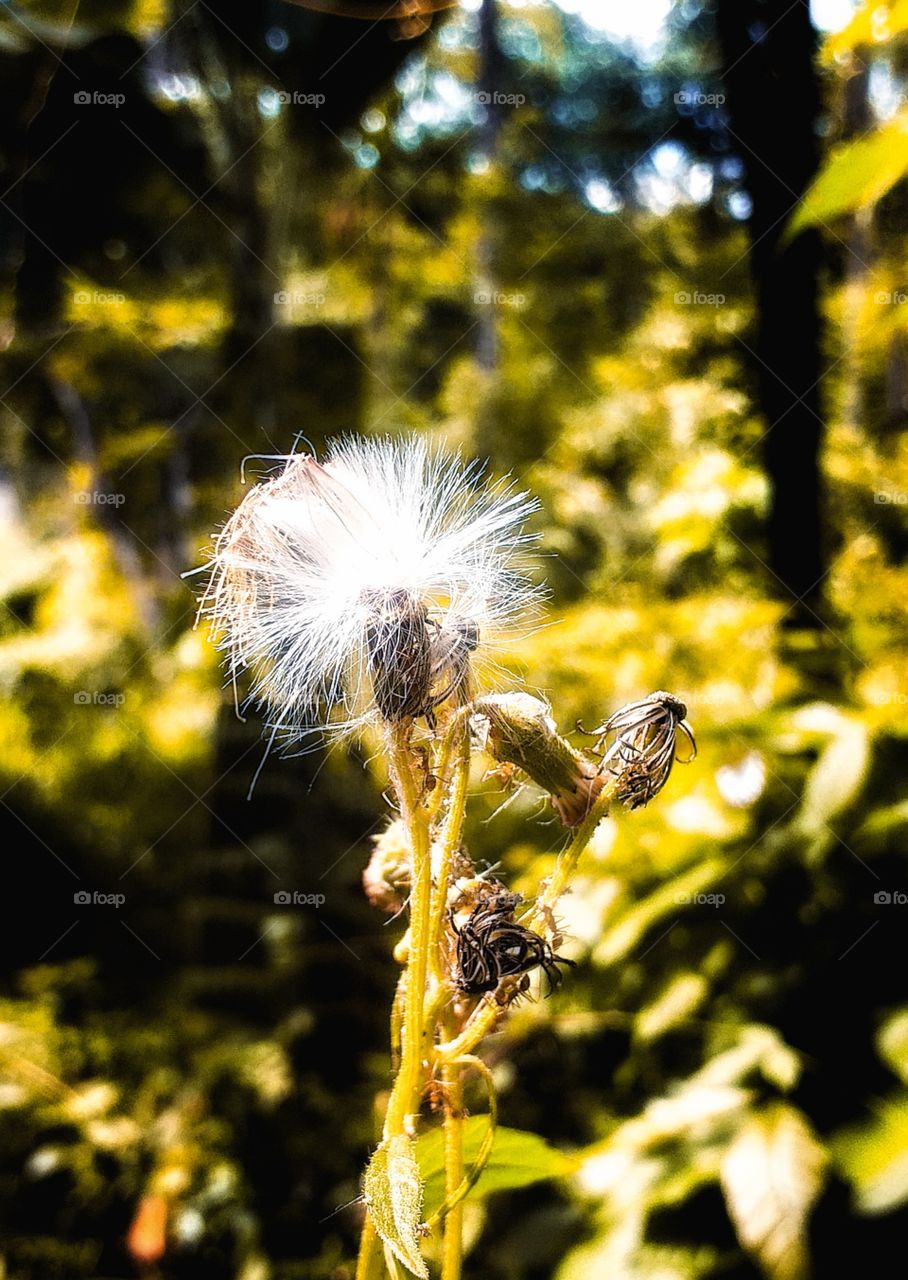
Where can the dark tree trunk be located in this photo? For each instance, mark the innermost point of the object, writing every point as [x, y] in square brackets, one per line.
[491, 85]
[768, 49]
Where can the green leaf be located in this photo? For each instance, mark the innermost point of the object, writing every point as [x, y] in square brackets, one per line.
[771, 1174]
[855, 175]
[517, 1160]
[393, 1194]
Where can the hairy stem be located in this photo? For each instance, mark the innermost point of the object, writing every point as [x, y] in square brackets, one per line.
[407, 1089]
[452, 1245]
[449, 837]
[566, 863]
[405, 1095]
[474, 1173]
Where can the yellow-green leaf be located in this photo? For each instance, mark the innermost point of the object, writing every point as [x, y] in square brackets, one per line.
[833, 784]
[873, 24]
[892, 1043]
[392, 1190]
[678, 1000]
[771, 1174]
[855, 175]
[517, 1160]
[874, 1158]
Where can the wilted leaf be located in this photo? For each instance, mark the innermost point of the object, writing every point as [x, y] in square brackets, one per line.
[855, 175]
[517, 1160]
[771, 1175]
[393, 1192]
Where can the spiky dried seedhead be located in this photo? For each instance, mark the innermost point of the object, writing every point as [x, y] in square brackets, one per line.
[645, 745]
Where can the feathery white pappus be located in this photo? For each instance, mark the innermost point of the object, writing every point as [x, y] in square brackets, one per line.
[363, 586]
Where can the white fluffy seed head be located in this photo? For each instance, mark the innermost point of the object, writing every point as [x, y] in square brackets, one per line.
[363, 586]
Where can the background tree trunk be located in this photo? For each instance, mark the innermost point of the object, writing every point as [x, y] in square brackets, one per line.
[768, 51]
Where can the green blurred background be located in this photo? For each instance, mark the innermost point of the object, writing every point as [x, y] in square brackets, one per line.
[557, 236]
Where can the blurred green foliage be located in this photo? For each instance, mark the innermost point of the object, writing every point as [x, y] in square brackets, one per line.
[188, 1078]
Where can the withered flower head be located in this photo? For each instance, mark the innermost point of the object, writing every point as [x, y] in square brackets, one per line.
[644, 747]
[492, 945]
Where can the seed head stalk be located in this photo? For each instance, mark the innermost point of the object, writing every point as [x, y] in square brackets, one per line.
[457, 743]
[407, 1089]
[405, 1095]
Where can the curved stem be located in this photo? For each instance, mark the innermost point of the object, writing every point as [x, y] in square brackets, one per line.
[485, 1147]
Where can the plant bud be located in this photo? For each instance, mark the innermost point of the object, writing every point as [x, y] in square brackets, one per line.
[386, 879]
[518, 729]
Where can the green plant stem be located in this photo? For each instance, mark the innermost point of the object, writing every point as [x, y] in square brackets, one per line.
[407, 1089]
[405, 1095]
[489, 1010]
[449, 837]
[474, 1173]
[368, 1264]
[452, 1243]
[566, 863]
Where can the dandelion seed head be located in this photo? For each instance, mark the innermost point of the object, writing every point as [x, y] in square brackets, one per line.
[366, 584]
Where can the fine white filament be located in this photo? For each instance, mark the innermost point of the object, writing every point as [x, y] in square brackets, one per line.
[309, 568]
